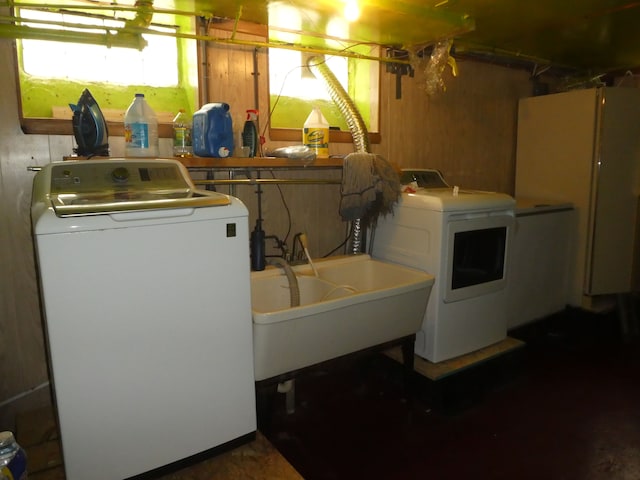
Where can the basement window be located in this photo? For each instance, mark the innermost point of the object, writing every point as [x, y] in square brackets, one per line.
[53, 74]
[154, 66]
[293, 88]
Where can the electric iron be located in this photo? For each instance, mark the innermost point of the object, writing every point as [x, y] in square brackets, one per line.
[89, 127]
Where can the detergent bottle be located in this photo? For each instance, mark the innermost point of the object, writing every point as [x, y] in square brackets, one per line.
[315, 133]
[212, 132]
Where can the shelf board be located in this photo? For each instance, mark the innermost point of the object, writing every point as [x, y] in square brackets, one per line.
[259, 162]
[231, 163]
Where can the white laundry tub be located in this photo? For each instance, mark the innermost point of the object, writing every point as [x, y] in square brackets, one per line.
[356, 303]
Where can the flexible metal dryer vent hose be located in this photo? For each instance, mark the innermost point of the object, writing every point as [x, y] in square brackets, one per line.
[340, 97]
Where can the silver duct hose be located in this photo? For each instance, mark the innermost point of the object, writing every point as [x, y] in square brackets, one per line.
[340, 97]
[356, 236]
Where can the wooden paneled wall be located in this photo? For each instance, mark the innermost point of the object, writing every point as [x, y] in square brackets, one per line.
[22, 358]
[468, 132]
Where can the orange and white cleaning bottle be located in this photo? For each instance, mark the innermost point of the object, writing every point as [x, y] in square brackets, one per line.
[315, 133]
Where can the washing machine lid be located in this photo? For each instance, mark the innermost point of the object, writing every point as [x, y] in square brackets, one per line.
[94, 187]
[537, 206]
[454, 199]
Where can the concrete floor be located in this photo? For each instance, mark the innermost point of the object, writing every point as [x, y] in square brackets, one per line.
[566, 406]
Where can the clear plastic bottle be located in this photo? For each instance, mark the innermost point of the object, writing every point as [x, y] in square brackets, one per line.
[182, 146]
[13, 459]
[315, 133]
[140, 129]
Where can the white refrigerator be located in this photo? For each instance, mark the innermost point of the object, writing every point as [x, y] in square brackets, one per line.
[583, 147]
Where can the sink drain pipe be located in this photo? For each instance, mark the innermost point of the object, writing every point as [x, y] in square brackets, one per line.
[288, 387]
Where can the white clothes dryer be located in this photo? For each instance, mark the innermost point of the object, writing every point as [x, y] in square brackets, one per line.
[462, 237]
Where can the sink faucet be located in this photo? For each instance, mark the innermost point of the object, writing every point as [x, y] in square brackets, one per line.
[303, 242]
[301, 238]
[294, 289]
[295, 256]
[279, 244]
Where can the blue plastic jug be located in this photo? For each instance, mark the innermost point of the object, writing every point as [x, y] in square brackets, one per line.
[212, 131]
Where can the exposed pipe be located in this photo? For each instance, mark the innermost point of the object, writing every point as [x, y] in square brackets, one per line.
[203, 63]
[356, 125]
[144, 15]
[256, 98]
[112, 7]
[106, 39]
[268, 181]
[127, 37]
[101, 39]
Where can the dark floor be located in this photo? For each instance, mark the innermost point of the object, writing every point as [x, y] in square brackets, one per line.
[566, 406]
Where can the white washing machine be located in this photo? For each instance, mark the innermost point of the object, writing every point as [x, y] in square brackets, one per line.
[461, 237]
[146, 295]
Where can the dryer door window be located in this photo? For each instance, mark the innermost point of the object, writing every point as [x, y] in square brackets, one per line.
[476, 256]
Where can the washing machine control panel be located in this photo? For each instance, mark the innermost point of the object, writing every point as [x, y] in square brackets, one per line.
[423, 177]
[91, 187]
[120, 175]
[91, 177]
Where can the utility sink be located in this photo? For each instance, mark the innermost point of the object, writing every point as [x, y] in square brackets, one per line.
[270, 294]
[354, 303]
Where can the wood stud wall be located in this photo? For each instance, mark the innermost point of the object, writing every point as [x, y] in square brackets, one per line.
[468, 132]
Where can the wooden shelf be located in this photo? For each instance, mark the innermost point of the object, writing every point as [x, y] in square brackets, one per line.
[260, 162]
[231, 163]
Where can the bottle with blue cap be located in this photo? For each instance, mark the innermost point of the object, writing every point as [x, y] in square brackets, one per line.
[13, 459]
[140, 129]
[213, 131]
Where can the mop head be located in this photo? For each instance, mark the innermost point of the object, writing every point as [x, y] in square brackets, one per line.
[370, 187]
